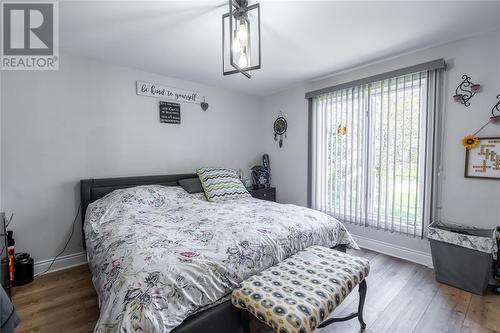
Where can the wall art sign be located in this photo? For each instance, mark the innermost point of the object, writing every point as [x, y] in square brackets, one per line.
[483, 161]
[158, 91]
[170, 113]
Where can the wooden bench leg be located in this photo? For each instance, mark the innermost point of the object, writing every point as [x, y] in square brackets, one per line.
[245, 321]
[362, 296]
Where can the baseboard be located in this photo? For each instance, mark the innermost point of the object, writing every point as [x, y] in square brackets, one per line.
[63, 262]
[415, 256]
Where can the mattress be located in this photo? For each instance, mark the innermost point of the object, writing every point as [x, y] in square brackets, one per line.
[158, 254]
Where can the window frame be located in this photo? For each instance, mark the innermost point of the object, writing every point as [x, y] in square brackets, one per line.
[431, 150]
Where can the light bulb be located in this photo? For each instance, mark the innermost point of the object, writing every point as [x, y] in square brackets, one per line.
[236, 45]
[243, 60]
[242, 31]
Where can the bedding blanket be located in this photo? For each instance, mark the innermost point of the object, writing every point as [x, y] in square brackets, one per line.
[158, 254]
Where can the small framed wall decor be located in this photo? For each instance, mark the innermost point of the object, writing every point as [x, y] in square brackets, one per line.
[170, 113]
[483, 160]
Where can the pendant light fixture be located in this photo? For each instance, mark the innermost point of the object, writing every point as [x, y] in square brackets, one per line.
[241, 38]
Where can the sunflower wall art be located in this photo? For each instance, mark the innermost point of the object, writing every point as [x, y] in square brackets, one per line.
[482, 157]
[470, 141]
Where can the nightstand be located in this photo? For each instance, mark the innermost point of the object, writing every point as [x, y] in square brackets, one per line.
[268, 194]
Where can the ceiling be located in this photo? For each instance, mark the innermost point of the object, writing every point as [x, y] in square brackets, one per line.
[301, 40]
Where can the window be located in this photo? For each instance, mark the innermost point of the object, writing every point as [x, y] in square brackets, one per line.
[372, 149]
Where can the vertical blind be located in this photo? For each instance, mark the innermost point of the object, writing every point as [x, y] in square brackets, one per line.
[370, 152]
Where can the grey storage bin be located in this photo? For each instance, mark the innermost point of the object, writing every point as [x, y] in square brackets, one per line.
[462, 257]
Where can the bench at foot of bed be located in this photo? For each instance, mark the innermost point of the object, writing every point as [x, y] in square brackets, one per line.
[299, 294]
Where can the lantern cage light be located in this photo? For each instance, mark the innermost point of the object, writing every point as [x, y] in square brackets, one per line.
[241, 51]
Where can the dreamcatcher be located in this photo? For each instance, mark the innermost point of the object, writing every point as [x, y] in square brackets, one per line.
[280, 127]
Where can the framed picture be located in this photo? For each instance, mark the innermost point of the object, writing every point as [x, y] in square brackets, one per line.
[483, 161]
[170, 113]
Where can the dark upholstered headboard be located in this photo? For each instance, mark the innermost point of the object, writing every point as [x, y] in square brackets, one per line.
[93, 189]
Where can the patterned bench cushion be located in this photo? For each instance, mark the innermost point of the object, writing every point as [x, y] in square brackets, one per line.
[296, 295]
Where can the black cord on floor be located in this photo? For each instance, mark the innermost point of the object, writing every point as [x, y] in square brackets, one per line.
[4, 235]
[65, 245]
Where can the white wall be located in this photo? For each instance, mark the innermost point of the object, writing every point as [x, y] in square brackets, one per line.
[86, 121]
[466, 201]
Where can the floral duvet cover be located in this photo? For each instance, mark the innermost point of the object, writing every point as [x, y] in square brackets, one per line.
[159, 254]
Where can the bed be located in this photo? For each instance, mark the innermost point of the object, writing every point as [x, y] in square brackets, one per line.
[163, 260]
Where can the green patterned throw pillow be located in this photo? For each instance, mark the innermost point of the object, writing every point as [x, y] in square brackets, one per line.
[221, 184]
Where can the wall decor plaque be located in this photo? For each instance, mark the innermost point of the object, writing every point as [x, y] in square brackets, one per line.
[159, 91]
[483, 161]
[170, 113]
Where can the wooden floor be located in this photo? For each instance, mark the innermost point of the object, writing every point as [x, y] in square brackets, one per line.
[402, 297]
